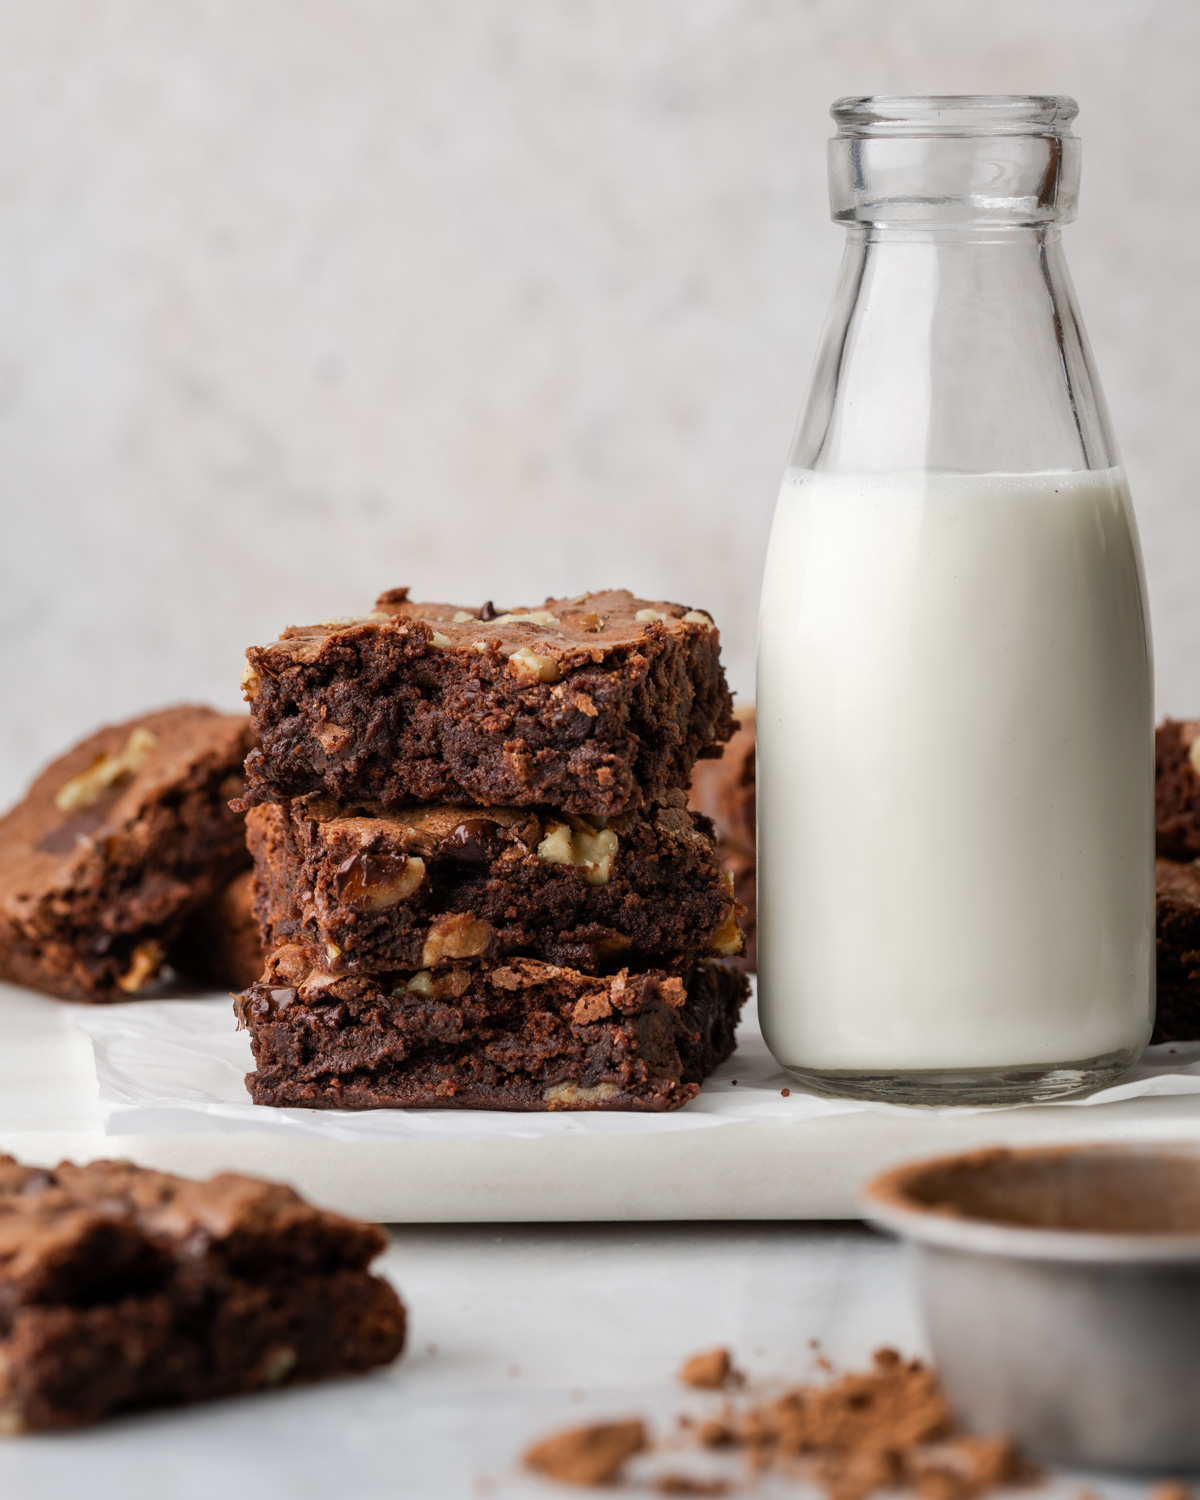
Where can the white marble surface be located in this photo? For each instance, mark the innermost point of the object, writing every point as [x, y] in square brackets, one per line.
[767, 1157]
[515, 1331]
[302, 300]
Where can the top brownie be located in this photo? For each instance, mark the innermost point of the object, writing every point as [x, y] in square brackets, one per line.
[596, 705]
[1177, 789]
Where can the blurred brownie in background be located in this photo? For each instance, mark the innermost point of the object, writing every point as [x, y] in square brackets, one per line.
[1177, 879]
[114, 846]
[1178, 947]
[220, 942]
[724, 790]
[1177, 789]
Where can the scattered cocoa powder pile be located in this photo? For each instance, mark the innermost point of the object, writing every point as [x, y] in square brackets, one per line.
[886, 1428]
[587, 1455]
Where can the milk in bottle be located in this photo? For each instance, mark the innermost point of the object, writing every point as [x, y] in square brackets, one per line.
[955, 718]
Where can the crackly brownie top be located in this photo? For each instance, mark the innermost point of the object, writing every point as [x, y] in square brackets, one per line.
[1179, 883]
[548, 640]
[106, 783]
[73, 1233]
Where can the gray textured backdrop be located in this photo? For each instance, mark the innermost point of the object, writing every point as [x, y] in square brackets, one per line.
[304, 298]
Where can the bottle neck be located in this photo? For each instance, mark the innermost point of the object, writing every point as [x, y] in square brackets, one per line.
[954, 347]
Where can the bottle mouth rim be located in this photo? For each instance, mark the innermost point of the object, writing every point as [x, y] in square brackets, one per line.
[870, 115]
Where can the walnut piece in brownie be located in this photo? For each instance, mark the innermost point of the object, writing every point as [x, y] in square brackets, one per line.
[123, 1288]
[1177, 789]
[425, 886]
[1178, 945]
[114, 845]
[518, 1036]
[220, 942]
[724, 790]
[595, 705]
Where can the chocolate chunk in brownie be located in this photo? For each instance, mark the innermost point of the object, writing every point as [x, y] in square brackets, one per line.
[595, 705]
[1178, 932]
[220, 943]
[424, 886]
[114, 845]
[1177, 789]
[518, 1036]
[724, 791]
[123, 1288]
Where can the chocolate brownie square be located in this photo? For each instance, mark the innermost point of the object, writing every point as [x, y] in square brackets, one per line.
[220, 942]
[365, 890]
[596, 705]
[1178, 945]
[724, 790]
[525, 1035]
[123, 1288]
[114, 845]
[1177, 789]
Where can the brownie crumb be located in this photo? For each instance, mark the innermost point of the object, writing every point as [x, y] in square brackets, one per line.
[587, 1455]
[687, 1484]
[710, 1370]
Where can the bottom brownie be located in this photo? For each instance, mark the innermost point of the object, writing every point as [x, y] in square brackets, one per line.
[1178, 924]
[525, 1035]
[123, 1288]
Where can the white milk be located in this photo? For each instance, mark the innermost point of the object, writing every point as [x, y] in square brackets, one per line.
[955, 773]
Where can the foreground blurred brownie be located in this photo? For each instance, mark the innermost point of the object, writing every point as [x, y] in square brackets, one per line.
[114, 845]
[1177, 789]
[724, 791]
[525, 1035]
[368, 891]
[594, 705]
[122, 1288]
[1178, 945]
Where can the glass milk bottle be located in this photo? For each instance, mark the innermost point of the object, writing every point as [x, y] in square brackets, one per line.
[955, 719]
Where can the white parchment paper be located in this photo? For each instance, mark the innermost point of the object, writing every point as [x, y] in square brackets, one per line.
[177, 1066]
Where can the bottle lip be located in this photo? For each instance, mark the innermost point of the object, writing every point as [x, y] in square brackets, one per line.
[865, 116]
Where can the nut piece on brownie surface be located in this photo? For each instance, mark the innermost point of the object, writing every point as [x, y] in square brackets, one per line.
[593, 705]
[114, 846]
[124, 1288]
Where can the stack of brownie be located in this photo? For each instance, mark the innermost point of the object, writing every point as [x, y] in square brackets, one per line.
[1177, 820]
[478, 881]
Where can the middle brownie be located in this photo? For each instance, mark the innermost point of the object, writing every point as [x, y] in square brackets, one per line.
[365, 891]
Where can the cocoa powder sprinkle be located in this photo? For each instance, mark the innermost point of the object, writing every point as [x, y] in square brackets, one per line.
[886, 1428]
